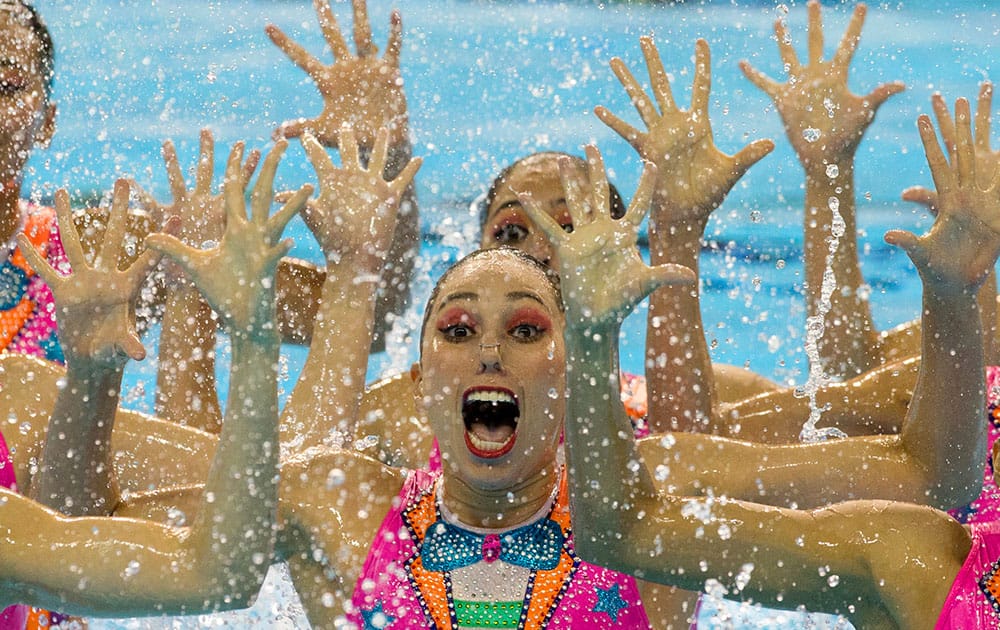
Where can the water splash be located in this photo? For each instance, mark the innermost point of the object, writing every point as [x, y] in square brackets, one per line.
[814, 332]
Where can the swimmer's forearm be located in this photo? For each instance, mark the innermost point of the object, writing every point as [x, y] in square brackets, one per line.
[944, 425]
[608, 477]
[679, 377]
[233, 536]
[328, 392]
[185, 378]
[76, 475]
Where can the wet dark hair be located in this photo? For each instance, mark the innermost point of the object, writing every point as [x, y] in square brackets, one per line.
[47, 51]
[617, 203]
[527, 259]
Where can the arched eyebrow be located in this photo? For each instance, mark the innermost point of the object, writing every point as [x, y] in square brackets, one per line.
[471, 295]
[517, 295]
[461, 295]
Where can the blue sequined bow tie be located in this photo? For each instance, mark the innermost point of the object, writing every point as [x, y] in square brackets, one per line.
[448, 547]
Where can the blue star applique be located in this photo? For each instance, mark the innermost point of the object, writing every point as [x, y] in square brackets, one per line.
[609, 601]
[376, 618]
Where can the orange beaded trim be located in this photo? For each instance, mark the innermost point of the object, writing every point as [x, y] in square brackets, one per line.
[38, 229]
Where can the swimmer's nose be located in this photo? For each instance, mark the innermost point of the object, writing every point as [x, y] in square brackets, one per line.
[540, 248]
[489, 357]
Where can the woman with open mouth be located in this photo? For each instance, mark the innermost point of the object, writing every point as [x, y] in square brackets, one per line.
[486, 541]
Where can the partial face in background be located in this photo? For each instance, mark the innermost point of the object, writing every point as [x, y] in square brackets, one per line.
[493, 371]
[506, 221]
[27, 118]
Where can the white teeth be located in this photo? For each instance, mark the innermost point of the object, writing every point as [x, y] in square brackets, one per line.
[487, 445]
[490, 396]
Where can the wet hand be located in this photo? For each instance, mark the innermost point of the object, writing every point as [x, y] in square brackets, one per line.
[237, 275]
[823, 119]
[360, 90]
[602, 274]
[95, 302]
[963, 244]
[202, 213]
[355, 213]
[987, 160]
[693, 175]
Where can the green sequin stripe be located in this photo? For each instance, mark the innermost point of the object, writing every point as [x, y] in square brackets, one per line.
[472, 614]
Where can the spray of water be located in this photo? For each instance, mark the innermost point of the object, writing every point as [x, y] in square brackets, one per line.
[814, 332]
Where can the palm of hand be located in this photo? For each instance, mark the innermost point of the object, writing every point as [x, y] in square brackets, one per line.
[962, 245]
[693, 174]
[822, 117]
[601, 272]
[365, 93]
[94, 311]
[353, 214]
[203, 218]
[232, 276]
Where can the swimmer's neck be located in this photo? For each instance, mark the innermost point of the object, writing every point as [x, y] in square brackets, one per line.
[499, 508]
[10, 212]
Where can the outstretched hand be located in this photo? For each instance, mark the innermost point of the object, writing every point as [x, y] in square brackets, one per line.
[602, 274]
[237, 276]
[693, 175]
[202, 213]
[355, 213]
[95, 302]
[987, 160]
[823, 119]
[963, 244]
[360, 90]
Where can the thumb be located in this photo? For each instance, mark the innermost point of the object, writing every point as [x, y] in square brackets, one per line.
[908, 242]
[667, 275]
[132, 347]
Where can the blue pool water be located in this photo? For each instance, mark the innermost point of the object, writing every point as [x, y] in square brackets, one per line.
[489, 82]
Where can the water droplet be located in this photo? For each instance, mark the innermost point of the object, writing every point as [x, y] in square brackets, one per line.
[832, 171]
[553, 394]
[132, 569]
[756, 216]
[833, 580]
[335, 478]
[176, 518]
[830, 108]
[779, 264]
[811, 134]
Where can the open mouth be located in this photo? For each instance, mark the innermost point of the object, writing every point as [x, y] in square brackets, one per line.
[490, 416]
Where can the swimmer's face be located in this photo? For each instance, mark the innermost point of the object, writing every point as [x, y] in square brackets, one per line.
[26, 117]
[506, 221]
[493, 372]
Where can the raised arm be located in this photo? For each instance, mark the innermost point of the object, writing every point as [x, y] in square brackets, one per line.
[134, 567]
[185, 380]
[353, 220]
[693, 178]
[603, 278]
[365, 92]
[825, 122]
[96, 317]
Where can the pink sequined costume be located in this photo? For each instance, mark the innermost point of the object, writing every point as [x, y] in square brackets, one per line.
[408, 580]
[973, 603]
